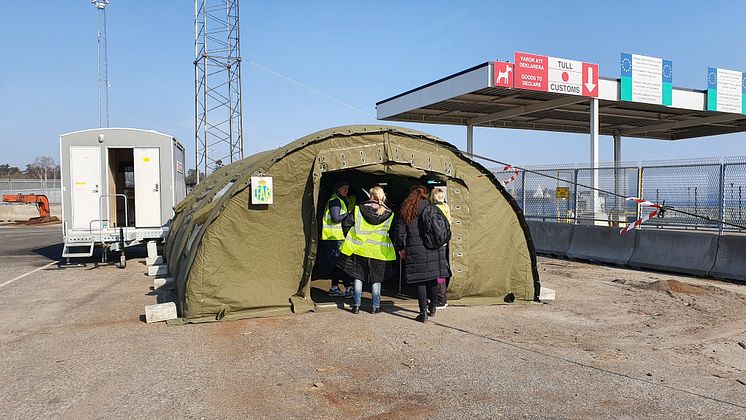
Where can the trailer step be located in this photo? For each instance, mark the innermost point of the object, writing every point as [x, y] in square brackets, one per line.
[67, 250]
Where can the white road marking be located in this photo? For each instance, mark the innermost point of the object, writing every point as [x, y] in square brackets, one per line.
[22, 234]
[24, 275]
[23, 256]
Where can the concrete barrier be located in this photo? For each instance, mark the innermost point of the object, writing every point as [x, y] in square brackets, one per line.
[602, 244]
[551, 238]
[731, 258]
[681, 252]
[22, 212]
[698, 253]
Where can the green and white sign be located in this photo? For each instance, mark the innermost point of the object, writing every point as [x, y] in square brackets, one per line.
[261, 190]
[726, 90]
[646, 79]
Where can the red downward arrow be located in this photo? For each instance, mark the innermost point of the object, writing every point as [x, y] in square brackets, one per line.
[590, 80]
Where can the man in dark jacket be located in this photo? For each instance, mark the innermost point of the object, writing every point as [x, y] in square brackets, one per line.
[337, 208]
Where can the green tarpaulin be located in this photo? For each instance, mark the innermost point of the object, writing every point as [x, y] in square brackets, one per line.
[232, 259]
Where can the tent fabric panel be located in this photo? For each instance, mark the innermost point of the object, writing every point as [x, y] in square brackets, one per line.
[253, 254]
[496, 243]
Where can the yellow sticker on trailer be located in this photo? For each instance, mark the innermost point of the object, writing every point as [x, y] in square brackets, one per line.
[146, 159]
[562, 192]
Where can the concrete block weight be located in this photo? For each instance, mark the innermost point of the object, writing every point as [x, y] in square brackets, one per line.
[163, 283]
[158, 260]
[160, 312]
[158, 270]
[546, 294]
[152, 249]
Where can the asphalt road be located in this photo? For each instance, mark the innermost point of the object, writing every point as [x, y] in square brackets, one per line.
[73, 345]
[25, 248]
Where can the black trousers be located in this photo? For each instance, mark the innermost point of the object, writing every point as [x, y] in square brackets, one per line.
[425, 289]
[339, 276]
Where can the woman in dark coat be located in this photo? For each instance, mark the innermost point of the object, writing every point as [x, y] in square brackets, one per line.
[422, 266]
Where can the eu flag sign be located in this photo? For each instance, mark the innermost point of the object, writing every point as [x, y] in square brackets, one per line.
[646, 79]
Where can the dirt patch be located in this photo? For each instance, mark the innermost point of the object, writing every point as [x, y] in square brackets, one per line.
[672, 286]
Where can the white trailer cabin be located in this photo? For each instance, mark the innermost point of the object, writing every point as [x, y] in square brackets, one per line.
[119, 187]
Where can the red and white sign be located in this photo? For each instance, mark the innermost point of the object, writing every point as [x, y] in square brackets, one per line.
[552, 74]
[531, 71]
[590, 80]
[502, 74]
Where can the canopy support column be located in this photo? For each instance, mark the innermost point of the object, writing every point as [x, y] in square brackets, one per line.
[618, 178]
[470, 140]
[594, 130]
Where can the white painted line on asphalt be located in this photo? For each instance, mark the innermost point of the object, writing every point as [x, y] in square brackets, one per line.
[24, 275]
[23, 256]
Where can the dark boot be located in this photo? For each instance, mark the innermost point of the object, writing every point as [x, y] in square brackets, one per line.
[375, 311]
[422, 317]
[431, 310]
[355, 309]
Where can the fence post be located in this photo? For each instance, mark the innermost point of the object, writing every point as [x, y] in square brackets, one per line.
[721, 199]
[523, 192]
[639, 190]
[575, 196]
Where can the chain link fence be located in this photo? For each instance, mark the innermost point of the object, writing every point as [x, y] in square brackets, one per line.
[52, 188]
[704, 190]
[711, 188]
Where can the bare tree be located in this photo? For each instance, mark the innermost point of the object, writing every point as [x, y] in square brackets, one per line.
[42, 168]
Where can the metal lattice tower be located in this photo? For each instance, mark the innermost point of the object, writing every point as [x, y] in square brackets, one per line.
[103, 72]
[217, 85]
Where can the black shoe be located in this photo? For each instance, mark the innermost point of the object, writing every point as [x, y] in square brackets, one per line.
[375, 311]
[431, 311]
[355, 309]
[422, 317]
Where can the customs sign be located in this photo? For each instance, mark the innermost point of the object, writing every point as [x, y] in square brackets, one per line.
[553, 74]
[646, 79]
[726, 90]
[502, 74]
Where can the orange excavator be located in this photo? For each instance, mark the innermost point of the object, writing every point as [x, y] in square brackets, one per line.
[41, 201]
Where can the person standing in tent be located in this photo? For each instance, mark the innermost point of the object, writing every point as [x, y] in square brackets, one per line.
[422, 266]
[332, 235]
[367, 252]
[438, 198]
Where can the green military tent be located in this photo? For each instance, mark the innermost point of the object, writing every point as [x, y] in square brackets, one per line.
[233, 259]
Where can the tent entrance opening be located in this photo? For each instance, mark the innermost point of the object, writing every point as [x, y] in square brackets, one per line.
[397, 189]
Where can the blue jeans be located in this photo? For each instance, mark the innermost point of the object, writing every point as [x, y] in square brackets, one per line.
[375, 292]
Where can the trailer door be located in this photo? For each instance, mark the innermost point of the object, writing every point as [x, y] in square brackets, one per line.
[85, 181]
[147, 187]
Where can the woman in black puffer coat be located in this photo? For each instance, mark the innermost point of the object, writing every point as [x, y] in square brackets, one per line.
[422, 266]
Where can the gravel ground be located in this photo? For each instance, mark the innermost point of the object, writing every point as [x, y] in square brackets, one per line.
[615, 344]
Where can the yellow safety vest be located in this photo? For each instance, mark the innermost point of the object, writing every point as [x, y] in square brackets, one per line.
[331, 231]
[367, 240]
[445, 210]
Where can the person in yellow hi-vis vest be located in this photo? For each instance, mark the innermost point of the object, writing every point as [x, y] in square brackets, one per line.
[367, 252]
[332, 236]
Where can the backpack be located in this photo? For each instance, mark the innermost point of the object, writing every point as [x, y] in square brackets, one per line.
[436, 231]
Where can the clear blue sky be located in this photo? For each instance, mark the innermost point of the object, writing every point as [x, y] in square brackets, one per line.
[356, 52]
